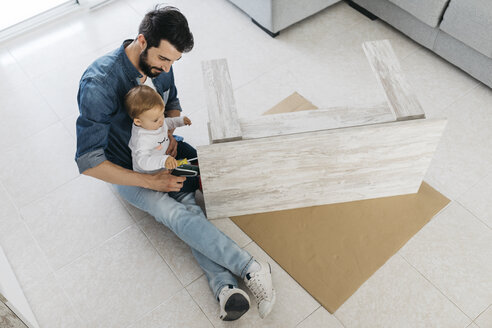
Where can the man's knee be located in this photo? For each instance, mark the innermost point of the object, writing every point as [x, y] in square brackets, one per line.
[180, 219]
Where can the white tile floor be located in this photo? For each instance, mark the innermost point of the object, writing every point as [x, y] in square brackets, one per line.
[86, 259]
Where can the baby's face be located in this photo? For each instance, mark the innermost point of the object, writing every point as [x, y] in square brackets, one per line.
[151, 119]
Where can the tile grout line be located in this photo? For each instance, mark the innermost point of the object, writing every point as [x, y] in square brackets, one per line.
[306, 317]
[23, 222]
[175, 274]
[249, 243]
[46, 100]
[489, 307]
[153, 309]
[67, 296]
[201, 309]
[45, 257]
[464, 94]
[361, 19]
[194, 280]
[45, 195]
[52, 270]
[15, 145]
[438, 213]
[159, 253]
[469, 189]
[95, 247]
[475, 216]
[425, 50]
[280, 66]
[198, 305]
[160, 304]
[115, 193]
[433, 285]
[17, 61]
[63, 291]
[412, 52]
[235, 89]
[101, 244]
[54, 23]
[35, 86]
[31, 78]
[338, 319]
[74, 138]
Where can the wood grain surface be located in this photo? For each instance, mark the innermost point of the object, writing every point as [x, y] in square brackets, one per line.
[313, 120]
[315, 168]
[222, 111]
[397, 90]
[8, 319]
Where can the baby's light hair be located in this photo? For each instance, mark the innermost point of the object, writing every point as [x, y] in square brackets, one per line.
[140, 99]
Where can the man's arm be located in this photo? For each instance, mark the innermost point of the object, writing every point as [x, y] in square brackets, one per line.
[112, 173]
[96, 104]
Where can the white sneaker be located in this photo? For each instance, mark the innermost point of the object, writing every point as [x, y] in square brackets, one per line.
[260, 284]
[234, 302]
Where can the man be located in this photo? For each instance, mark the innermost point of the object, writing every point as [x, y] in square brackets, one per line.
[103, 133]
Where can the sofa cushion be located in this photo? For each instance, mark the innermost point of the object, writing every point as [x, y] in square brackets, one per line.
[428, 11]
[468, 59]
[470, 21]
[402, 20]
[275, 15]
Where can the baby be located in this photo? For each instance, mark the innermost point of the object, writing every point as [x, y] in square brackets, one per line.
[149, 140]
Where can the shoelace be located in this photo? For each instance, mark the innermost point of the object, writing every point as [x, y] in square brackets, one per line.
[257, 289]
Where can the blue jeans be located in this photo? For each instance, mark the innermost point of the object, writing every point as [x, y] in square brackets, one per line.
[217, 254]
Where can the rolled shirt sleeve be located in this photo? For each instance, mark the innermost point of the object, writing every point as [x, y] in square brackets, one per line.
[104, 127]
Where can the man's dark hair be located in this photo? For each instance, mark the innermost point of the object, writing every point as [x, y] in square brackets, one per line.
[166, 23]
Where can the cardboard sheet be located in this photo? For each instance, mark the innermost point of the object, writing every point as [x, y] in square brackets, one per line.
[293, 103]
[332, 250]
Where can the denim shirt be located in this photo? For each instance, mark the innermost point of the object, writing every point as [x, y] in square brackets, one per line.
[103, 126]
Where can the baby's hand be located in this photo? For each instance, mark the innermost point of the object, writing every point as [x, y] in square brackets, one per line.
[186, 121]
[171, 163]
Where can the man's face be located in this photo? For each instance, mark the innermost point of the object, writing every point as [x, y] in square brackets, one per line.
[154, 61]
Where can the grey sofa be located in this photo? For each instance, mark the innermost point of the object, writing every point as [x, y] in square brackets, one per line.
[275, 15]
[460, 31]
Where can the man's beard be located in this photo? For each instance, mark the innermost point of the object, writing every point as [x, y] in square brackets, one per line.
[145, 67]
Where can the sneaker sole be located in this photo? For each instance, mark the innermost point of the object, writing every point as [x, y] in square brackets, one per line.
[236, 306]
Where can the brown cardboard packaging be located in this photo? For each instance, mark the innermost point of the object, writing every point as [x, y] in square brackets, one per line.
[332, 250]
[293, 103]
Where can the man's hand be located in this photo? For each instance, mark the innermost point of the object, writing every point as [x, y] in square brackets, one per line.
[186, 120]
[172, 150]
[112, 173]
[164, 181]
